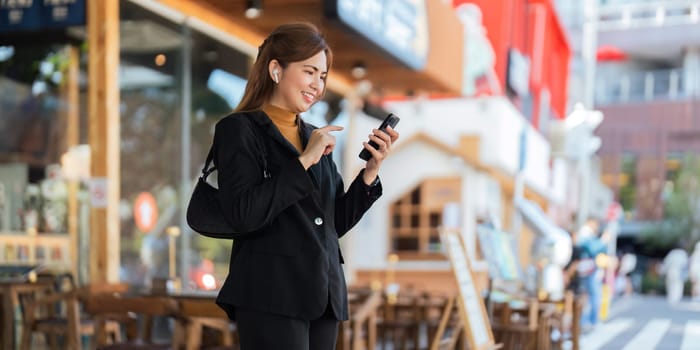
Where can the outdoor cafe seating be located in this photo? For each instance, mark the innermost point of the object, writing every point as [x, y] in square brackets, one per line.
[51, 312]
[56, 314]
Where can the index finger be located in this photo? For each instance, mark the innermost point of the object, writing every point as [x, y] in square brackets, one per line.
[393, 133]
[331, 128]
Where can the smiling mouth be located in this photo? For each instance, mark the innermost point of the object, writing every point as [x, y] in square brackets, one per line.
[309, 96]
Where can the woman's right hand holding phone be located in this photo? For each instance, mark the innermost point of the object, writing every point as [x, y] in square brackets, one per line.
[384, 140]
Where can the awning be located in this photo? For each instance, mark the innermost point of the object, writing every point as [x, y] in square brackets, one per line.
[441, 73]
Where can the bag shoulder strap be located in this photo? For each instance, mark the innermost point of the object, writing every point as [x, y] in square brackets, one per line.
[206, 170]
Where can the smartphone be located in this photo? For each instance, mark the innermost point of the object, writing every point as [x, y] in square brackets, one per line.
[390, 120]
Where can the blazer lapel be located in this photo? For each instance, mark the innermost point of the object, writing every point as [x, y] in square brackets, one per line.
[315, 170]
[271, 130]
[305, 130]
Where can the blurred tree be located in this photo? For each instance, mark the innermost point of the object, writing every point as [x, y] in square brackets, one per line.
[681, 224]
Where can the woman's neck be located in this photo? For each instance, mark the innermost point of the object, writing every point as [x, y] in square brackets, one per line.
[280, 116]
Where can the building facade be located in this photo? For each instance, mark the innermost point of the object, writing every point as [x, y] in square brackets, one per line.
[649, 92]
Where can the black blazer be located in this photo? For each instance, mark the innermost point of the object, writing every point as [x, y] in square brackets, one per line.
[289, 262]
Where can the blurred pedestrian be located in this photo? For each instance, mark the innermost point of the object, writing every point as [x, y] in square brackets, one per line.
[571, 276]
[694, 272]
[591, 247]
[675, 262]
[628, 262]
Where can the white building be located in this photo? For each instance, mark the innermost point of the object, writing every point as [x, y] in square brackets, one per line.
[464, 150]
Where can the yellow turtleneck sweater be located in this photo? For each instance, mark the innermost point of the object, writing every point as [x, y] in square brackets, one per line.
[286, 122]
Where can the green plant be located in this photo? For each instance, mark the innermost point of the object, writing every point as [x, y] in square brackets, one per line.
[681, 224]
[653, 284]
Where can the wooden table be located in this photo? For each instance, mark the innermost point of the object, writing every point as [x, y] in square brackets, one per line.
[10, 292]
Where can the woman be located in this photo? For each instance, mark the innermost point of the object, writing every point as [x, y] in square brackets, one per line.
[279, 185]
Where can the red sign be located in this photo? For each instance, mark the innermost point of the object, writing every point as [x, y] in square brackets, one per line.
[145, 212]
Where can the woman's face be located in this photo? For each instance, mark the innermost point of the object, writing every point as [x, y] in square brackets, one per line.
[300, 84]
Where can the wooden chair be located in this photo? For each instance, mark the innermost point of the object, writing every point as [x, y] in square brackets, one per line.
[360, 332]
[33, 307]
[578, 304]
[198, 316]
[449, 329]
[57, 313]
[560, 321]
[516, 328]
[105, 307]
[433, 309]
[399, 321]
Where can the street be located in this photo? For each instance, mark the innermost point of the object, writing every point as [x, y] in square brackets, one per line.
[647, 322]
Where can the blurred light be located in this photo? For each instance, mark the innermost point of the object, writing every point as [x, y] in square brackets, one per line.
[173, 231]
[363, 87]
[230, 87]
[393, 258]
[76, 163]
[39, 87]
[46, 68]
[359, 70]
[199, 115]
[57, 77]
[160, 59]
[253, 9]
[6, 52]
[208, 281]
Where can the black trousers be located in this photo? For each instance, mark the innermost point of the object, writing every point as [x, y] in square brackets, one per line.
[265, 331]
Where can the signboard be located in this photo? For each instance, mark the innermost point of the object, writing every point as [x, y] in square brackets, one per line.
[499, 252]
[98, 192]
[399, 27]
[471, 305]
[34, 15]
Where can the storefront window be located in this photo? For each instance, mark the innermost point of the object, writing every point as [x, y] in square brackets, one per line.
[167, 68]
[218, 81]
[150, 77]
[33, 109]
[38, 105]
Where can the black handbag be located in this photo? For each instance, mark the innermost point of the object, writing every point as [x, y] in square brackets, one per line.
[204, 213]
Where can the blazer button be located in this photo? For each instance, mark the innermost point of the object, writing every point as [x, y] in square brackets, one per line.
[318, 221]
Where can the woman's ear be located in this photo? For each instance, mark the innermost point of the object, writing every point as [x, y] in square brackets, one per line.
[274, 71]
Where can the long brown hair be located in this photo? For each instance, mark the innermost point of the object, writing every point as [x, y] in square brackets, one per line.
[287, 43]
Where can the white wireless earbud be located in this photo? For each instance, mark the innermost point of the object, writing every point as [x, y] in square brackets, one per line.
[275, 73]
